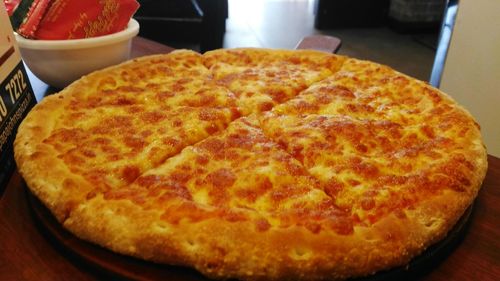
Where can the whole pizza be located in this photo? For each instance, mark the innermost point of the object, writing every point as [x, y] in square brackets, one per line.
[254, 164]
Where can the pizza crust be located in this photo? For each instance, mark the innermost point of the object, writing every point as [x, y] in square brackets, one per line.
[47, 176]
[276, 254]
[215, 246]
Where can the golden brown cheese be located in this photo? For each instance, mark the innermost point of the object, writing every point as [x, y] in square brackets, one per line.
[372, 165]
[365, 90]
[262, 80]
[249, 178]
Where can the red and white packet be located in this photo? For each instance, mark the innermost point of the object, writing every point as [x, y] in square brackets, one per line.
[76, 19]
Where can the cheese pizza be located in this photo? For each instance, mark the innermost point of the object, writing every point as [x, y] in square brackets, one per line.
[254, 164]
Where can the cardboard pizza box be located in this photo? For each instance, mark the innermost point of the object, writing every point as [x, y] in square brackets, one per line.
[16, 96]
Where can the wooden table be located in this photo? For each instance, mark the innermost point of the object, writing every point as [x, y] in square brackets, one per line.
[26, 254]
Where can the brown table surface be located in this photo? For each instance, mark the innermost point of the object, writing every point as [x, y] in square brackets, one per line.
[26, 254]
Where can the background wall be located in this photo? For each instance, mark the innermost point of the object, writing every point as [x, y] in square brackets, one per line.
[472, 69]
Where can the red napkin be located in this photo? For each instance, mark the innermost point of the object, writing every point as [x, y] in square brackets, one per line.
[74, 19]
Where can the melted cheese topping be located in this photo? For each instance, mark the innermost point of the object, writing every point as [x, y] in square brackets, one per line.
[262, 79]
[331, 143]
[368, 90]
[248, 177]
[136, 116]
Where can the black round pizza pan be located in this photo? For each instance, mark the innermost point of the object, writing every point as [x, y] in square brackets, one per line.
[112, 266]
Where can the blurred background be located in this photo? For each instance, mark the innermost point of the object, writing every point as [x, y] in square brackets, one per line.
[399, 33]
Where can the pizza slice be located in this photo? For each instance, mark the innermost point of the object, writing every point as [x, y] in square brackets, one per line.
[112, 148]
[112, 125]
[378, 166]
[367, 90]
[262, 78]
